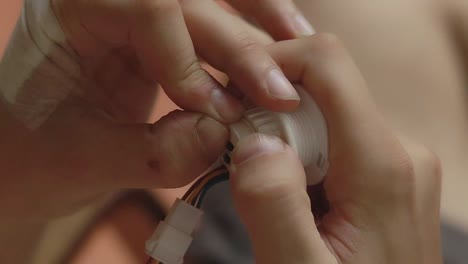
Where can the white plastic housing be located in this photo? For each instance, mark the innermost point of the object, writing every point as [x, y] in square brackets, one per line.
[173, 236]
[305, 130]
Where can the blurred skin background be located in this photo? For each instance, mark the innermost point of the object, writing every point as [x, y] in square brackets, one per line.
[413, 55]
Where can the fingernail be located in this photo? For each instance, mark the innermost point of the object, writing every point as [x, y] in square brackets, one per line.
[280, 87]
[302, 25]
[227, 107]
[212, 135]
[261, 144]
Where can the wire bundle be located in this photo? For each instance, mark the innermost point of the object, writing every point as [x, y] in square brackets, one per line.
[197, 192]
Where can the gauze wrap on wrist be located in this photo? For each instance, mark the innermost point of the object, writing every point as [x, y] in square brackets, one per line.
[38, 69]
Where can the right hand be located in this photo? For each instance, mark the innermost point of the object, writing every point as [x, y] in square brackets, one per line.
[382, 192]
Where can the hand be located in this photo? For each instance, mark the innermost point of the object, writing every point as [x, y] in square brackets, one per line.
[126, 46]
[98, 140]
[382, 192]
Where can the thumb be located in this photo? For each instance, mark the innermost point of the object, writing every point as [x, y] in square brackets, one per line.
[169, 153]
[269, 191]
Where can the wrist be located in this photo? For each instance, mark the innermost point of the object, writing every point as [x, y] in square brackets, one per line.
[38, 69]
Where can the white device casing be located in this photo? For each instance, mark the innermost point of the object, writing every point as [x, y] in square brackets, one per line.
[304, 130]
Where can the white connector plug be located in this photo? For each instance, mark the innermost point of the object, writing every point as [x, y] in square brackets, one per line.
[173, 236]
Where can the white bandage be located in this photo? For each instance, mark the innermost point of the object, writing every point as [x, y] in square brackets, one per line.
[38, 69]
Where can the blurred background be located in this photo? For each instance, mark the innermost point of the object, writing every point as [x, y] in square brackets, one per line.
[415, 63]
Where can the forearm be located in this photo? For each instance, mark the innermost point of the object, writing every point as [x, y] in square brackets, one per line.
[19, 240]
[19, 70]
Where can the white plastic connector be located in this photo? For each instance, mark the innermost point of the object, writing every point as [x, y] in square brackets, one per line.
[172, 238]
[305, 130]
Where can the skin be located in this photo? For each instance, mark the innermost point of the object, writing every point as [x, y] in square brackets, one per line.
[413, 55]
[387, 45]
[101, 139]
[383, 190]
[380, 82]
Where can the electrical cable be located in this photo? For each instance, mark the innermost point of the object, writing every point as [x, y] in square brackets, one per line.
[197, 192]
[304, 129]
[214, 181]
[201, 183]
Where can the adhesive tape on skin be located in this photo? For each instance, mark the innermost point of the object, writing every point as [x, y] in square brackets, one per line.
[38, 70]
[305, 130]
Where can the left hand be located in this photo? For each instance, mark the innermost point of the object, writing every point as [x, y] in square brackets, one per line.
[126, 47]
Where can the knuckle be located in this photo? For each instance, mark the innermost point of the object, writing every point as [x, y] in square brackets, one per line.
[398, 184]
[403, 167]
[321, 53]
[433, 161]
[247, 44]
[249, 198]
[258, 181]
[191, 70]
[184, 3]
[166, 144]
[409, 171]
[241, 56]
[430, 163]
[248, 194]
[420, 177]
[152, 8]
[190, 76]
[326, 43]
